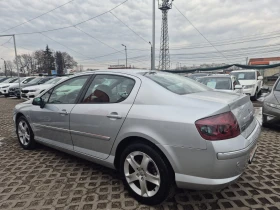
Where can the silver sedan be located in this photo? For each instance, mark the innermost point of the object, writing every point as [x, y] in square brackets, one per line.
[158, 129]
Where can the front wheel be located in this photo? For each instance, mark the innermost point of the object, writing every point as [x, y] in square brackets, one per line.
[146, 174]
[255, 97]
[25, 134]
[264, 121]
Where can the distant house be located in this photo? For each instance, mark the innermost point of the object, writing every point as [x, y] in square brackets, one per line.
[266, 61]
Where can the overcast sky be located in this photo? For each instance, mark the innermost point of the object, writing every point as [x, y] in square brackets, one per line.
[237, 29]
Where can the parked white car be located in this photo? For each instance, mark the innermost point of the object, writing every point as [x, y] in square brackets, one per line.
[251, 80]
[222, 82]
[4, 87]
[33, 91]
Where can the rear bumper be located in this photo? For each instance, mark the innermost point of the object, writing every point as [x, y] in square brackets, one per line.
[211, 169]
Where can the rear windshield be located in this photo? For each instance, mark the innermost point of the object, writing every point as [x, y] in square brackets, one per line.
[244, 75]
[217, 83]
[176, 84]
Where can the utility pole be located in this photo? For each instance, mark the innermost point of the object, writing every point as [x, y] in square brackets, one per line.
[154, 37]
[5, 67]
[247, 60]
[17, 65]
[151, 56]
[125, 55]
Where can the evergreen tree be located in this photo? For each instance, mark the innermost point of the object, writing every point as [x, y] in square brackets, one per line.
[49, 59]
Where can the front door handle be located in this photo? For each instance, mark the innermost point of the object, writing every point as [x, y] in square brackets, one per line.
[114, 115]
[63, 112]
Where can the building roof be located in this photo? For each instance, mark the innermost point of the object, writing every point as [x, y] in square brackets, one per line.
[263, 61]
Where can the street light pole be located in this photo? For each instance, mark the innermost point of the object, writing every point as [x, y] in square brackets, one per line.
[12, 35]
[151, 55]
[125, 55]
[154, 36]
[5, 67]
[17, 65]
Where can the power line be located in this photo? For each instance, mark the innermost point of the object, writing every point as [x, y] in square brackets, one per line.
[199, 32]
[130, 28]
[6, 42]
[37, 16]
[74, 25]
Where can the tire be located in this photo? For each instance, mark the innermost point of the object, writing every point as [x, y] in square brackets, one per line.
[7, 95]
[25, 134]
[255, 97]
[264, 121]
[163, 177]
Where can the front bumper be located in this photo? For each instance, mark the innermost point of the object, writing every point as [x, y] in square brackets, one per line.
[250, 91]
[4, 91]
[30, 94]
[271, 112]
[211, 169]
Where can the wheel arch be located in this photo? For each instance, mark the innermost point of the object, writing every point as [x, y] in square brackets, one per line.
[136, 139]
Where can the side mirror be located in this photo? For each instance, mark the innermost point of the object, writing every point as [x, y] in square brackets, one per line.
[238, 87]
[260, 77]
[39, 102]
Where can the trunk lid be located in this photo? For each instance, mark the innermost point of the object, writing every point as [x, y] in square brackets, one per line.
[239, 104]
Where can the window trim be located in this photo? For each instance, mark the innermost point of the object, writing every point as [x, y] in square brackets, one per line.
[76, 101]
[90, 82]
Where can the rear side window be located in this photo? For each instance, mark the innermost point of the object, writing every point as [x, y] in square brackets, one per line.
[176, 84]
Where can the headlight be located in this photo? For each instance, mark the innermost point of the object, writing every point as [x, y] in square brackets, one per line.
[249, 86]
[273, 105]
[5, 86]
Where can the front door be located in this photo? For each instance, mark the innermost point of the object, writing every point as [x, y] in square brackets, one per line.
[97, 119]
[51, 124]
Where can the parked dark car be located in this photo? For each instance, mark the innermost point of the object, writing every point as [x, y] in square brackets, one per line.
[273, 77]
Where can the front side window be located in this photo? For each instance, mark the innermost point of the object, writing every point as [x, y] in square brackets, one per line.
[277, 88]
[109, 89]
[68, 91]
[176, 84]
[244, 75]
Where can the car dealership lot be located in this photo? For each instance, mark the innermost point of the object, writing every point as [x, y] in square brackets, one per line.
[49, 179]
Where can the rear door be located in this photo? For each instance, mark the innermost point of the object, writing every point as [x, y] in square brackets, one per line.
[97, 119]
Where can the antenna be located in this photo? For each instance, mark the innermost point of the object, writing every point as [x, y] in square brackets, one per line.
[164, 56]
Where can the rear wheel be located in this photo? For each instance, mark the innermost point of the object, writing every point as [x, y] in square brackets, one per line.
[145, 173]
[25, 134]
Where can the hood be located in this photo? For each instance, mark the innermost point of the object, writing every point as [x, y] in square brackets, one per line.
[40, 87]
[5, 84]
[248, 82]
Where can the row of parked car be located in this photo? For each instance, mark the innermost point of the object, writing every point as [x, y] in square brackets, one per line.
[249, 82]
[30, 87]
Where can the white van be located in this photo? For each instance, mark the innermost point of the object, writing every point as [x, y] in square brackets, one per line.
[251, 80]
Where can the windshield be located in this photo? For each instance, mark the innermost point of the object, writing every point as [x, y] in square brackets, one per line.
[13, 80]
[176, 84]
[4, 80]
[277, 88]
[53, 81]
[35, 81]
[28, 80]
[245, 75]
[217, 83]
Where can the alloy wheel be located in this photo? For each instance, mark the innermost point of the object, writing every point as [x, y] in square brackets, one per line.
[23, 133]
[142, 174]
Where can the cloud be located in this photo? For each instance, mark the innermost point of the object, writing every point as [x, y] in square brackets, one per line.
[216, 19]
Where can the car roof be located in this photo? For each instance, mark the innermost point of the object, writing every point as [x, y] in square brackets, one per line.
[251, 70]
[123, 71]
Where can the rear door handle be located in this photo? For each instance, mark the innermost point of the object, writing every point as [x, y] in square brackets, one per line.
[63, 112]
[114, 115]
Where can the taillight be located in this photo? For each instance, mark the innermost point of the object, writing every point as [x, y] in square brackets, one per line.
[218, 127]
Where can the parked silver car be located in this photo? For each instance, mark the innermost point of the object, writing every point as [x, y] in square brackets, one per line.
[157, 129]
[271, 106]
